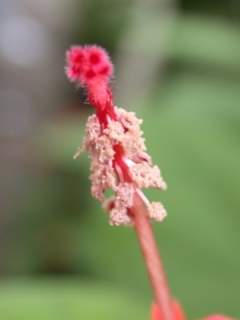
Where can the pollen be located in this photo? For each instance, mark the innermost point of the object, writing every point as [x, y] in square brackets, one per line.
[100, 145]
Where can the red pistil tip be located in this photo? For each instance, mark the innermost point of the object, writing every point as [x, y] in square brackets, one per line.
[91, 67]
[88, 64]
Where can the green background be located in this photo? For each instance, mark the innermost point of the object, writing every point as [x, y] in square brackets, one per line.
[61, 259]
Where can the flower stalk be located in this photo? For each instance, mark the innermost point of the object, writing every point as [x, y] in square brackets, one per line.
[120, 162]
[152, 259]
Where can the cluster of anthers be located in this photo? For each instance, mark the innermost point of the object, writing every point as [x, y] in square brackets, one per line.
[113, 139]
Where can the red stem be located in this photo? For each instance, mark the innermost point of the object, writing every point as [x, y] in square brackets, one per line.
[100, 96]
[152, 258]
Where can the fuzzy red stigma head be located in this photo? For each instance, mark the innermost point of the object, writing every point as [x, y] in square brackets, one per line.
[91, 67]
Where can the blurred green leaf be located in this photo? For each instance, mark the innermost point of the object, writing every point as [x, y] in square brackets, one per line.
[44, 299]
[199, 39]
[192, 39]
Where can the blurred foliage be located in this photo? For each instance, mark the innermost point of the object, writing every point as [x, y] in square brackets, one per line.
[192, 128]
[102, 23]
[209, 43]
[66, 299]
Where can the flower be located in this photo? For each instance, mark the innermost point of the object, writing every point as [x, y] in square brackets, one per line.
[178, 313]
[113, 139]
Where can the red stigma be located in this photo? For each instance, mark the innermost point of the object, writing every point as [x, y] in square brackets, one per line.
[91, 67]
[95, 57]
[78, 58]
[84, 63]
[104, 70]
[90, 74]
